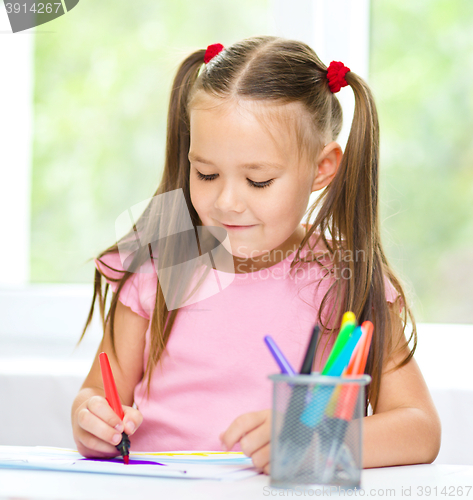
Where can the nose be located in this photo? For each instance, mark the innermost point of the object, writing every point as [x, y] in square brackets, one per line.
[229, 199]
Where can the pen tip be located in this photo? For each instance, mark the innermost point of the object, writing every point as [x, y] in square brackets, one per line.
[126, 459]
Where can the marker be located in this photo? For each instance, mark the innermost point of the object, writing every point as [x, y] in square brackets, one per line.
[283, 363]
[343, 359]
[111, 395]
[352, 368]
[349, 394]
[336, 427]
[348, 317]
[342, 338]
[346, 330]
[306, 367]
[298, 395]
[310, 421]
[295, 436]
[316, 407]
[368, 331]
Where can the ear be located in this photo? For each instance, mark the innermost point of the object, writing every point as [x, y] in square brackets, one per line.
[327, 165]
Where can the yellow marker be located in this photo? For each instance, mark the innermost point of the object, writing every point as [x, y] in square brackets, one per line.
[332, 404]
[348, 317]
[190, 453]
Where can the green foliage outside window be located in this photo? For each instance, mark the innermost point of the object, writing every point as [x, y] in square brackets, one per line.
[103, 75]
[102, 81]
[421, 72]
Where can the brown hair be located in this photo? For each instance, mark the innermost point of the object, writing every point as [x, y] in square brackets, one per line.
[274, 70]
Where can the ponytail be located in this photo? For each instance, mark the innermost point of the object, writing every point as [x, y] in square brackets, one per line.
[178, 130]
[349, 213]
[175, 176]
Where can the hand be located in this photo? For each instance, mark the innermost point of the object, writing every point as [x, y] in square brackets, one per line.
[253, 431]
[98, 429]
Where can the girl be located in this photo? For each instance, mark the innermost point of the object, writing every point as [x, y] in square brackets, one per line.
[251, 134]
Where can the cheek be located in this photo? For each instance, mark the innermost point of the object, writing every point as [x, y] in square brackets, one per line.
[288, 203]
[195, 193]
[300, 195]
[199, 197]
[289, 210]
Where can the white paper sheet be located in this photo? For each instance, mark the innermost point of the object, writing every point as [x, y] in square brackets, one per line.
[181, 464]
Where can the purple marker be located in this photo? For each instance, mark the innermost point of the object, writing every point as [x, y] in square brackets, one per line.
[283, 363]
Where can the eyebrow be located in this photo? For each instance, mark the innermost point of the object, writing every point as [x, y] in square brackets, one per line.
[249, 166]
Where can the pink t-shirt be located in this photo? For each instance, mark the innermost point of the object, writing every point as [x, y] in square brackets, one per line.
[217, 364]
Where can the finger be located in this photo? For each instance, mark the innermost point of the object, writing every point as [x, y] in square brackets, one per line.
[267, 469]
[132, 419]
[89, 445]
[94, 425]
[99, 406]
[261, 457]
[241, 426]
[256, 439]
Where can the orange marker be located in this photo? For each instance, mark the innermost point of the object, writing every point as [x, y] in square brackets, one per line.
[111, 395]
[349, 393]
[336, 426]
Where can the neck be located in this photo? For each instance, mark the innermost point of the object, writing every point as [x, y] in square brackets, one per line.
[271, 258]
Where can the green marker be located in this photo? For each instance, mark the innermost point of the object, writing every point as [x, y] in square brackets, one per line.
[337, 348]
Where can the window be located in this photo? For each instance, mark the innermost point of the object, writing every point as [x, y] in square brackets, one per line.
[421, 69]
[82, 134]
[102, 84]
[84, 115]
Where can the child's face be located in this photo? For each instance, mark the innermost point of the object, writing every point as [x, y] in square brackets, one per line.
[258, 219]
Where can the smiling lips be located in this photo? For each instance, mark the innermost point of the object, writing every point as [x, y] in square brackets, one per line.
[231, 227]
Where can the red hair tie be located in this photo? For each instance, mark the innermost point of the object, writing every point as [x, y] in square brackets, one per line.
[212, 51]
[336, 76]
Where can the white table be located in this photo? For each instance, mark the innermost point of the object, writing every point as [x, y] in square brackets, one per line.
[387, 482]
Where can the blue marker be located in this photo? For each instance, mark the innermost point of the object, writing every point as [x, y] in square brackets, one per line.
[321, 395]
[283, 363]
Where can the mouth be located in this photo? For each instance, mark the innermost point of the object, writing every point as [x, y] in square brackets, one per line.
[233, 227]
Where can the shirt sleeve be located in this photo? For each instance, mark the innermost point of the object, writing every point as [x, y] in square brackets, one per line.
[391, 293]
[131, 295]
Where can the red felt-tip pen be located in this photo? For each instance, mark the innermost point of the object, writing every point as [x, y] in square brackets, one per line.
[111, 395]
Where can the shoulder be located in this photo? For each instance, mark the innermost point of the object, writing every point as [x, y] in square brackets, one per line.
[111, 268]
[390, 291]
[139, 289]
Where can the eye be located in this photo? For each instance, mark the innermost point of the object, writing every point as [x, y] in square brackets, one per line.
[203, 177]
[260, 184]
[255, 184]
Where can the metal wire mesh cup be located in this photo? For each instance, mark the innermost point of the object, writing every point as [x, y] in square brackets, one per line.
[316, 430]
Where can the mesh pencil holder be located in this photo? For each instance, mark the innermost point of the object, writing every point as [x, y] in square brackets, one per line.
[316, 430]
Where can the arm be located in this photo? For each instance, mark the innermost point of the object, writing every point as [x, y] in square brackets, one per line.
[96, 427]
[405, 428]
